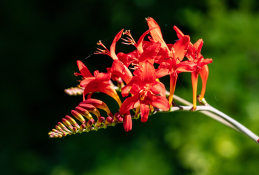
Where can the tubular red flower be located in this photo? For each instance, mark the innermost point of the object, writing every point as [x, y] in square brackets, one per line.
[194, 88]
[193, 54]
[120, 70]
[147, 93]
[100, 82]
[145, 90]
[204, 73]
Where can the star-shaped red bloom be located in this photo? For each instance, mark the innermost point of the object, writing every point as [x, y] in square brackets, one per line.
[100, 82]
[146, 91]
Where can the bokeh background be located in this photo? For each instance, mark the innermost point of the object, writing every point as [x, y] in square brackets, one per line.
[40, 42]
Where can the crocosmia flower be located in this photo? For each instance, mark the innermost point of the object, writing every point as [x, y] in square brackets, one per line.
[146, 91]
[194, 54]
[137, 74]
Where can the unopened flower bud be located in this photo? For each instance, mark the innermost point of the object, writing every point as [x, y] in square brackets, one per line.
[56, 131]
[82, 127]
[84, 112]
[90, 108]
[61, 130]
[78, 116]
[118, 117]
[72, 121]
[63, 127]
[98, 104]
[75, 129]
[66, 122]
[90, 123]
[100, 121]
[109, 120]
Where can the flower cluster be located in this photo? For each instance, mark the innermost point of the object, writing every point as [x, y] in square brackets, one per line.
[143, 91]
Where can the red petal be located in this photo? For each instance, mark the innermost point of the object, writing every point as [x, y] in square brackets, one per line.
[127, 122]
[159, 102]
[140, 41]
[150, 53]
[104, 87]
[163, 70]
[86, 81]
[103, 77]
[123, 58]
[83, 69]
[180, 48]
[198, 45]
[129, 103]
[113, 45]
[156, 32]
[158, 88]
[186, 66]
[120, 70]
[144, 110]
[147, 73]
[179, 33]
[204, 62]
[204, 73]
[194, 88]
[125, 90]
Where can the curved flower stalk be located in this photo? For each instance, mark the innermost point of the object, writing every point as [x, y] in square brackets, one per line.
[217, 115]
[144, 94]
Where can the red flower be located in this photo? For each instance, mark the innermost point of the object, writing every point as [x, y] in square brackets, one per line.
[133, 57]
[119, 68]
[173, 69]
[100, 82]
[194, 54]
[146, 91]
[157, 35]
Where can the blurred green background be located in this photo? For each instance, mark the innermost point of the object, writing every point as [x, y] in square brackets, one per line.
[40, 42]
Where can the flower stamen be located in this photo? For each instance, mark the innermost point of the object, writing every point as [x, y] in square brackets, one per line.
[129, 40]
[104, 51]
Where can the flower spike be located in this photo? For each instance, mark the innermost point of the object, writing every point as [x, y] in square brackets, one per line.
[143, 93]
